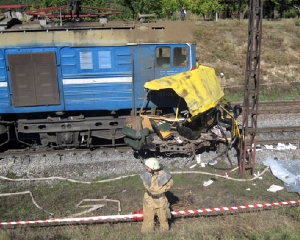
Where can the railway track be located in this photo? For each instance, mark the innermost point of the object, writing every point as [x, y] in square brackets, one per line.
[277, 141]
[280, 134]
[265, 135]
[275, 135]
[277, 107]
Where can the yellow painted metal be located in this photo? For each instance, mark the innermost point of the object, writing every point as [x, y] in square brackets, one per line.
[236, 130]
[200, 88]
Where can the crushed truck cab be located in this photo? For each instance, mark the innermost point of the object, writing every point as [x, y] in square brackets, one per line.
[197, 116]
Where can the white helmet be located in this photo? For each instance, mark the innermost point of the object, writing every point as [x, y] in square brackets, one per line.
[152, 163]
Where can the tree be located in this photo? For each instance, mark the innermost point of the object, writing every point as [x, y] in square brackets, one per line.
[204, 7]
[283, 6]
[236, 8]
[169, 7]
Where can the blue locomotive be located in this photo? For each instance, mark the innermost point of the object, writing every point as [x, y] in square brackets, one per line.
[75, 84]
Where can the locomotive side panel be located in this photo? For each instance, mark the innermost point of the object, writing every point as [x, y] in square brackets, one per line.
[97, 78]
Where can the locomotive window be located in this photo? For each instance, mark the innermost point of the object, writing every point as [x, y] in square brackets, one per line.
[86, 60]
[180, 56]
[104, 59]
[163, 56]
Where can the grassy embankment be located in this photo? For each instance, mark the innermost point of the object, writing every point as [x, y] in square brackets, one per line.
[223, 45]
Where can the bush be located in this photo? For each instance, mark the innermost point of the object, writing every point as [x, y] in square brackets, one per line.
[297, 22]
[290, 13]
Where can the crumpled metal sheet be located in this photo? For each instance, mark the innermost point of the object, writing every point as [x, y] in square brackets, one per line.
[200, 88]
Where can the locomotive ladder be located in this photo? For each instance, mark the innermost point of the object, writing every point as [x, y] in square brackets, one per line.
[251, 92]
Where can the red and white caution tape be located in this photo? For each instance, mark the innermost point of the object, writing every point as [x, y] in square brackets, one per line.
[139, 216]
[115, 218]
[222, 209]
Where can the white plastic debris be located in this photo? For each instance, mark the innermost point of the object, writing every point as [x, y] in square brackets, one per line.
[193, 166]
[198, 158]
[178, 139]
[291, 147]
[281, 146]
[212, 162]
[274, 188]
[216, 130]
[207, 183]
[257, 175]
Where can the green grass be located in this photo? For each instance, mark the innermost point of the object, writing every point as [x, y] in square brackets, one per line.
[188, 193]
[287, 91]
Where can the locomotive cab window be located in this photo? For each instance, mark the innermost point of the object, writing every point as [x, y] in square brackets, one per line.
[180, 56]
[163, 57]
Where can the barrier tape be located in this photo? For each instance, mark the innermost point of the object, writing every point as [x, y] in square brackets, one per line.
[252, 206]
[110, 218]
[139, 216]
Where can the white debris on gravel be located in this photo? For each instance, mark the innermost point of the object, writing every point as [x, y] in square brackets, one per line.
[92, 165]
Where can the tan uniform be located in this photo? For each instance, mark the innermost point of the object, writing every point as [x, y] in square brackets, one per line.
[155, 201]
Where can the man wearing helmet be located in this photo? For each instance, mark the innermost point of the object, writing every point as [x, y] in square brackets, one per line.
[157, 181]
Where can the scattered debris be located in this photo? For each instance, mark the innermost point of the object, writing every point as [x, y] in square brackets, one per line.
[212, 162]
[207, 183]
[281, 146]
[193, 166]
[202, 164]
[274, 188]
[257, 175]
[225, 175]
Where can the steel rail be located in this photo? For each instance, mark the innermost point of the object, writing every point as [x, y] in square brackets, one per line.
[276, 141]
[279, 129]
[276, 107]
